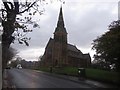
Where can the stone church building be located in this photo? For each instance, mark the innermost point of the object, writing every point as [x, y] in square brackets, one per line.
[59, 52]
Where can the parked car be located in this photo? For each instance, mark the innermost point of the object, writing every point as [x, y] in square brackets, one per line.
[8, 67]
[19, 66]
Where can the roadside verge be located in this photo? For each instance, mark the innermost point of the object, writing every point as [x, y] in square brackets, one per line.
[94, 84]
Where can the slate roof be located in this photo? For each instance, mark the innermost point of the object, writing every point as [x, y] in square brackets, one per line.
[73, 48]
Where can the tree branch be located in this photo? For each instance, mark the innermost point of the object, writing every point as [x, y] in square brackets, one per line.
[5, 4]
[28, 7]
[16, 3]
[10, 5]
[40, 12]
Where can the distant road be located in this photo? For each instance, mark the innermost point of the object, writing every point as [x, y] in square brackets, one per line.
[25, 78]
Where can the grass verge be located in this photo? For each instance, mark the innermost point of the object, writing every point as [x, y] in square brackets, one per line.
[95, 74]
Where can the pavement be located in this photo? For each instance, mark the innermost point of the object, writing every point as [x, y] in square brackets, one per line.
[92, 83]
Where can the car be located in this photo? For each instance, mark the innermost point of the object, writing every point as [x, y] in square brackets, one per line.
[20, 67]
[8, 67]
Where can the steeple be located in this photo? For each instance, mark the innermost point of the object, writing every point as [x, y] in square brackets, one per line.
[60, 42]
[60, 19]
[60, 24]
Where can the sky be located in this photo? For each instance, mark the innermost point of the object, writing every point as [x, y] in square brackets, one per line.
[84, 20]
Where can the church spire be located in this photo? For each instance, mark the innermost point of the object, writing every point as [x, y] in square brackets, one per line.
[60, 24]
[60, 19]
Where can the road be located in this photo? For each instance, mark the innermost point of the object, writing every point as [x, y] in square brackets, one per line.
[25, 78]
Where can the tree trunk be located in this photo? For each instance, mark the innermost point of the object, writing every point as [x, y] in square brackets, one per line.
[7, 38]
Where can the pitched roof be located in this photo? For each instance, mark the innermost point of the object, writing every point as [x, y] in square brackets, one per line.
[49, 42]
[76, 52]
[87, 56]
[73, 48]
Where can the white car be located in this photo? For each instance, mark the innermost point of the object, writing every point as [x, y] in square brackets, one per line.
[19, 67]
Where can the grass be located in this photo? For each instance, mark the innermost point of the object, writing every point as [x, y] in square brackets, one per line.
[102, 75]
[45, 69]
[90, 73]
[66, 70]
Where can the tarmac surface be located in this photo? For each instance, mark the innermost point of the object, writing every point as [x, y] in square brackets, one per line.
[26, 78]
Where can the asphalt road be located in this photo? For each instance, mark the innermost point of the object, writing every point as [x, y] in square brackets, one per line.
[25, 78]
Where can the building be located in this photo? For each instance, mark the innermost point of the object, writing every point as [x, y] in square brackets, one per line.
[59, 53]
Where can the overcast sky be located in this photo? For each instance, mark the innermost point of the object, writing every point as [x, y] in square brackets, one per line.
[84, 21]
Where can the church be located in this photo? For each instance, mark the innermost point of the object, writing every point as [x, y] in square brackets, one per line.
[59, 53]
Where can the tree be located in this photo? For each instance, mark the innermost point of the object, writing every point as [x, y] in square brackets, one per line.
[107, 46]
[11, 52]
[40, 60]
[12, 22]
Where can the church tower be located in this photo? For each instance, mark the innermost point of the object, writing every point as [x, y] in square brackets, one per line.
[60, 43]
